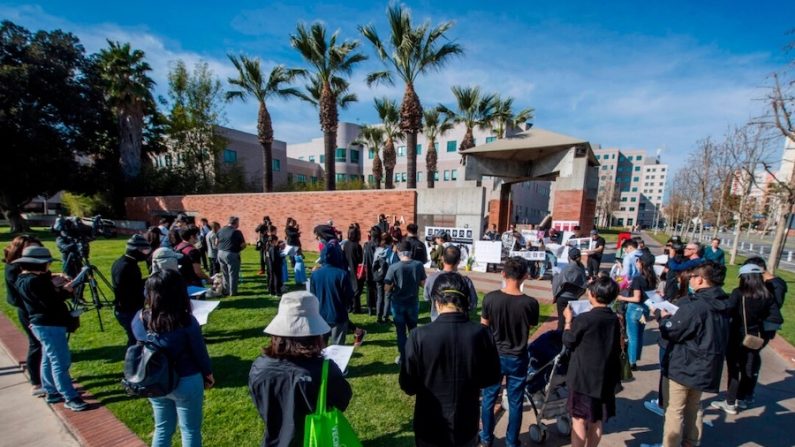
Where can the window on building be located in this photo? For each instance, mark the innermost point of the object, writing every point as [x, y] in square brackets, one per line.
[638, 158]
[622, 208]
[402, 176]
[634, 189]
[354, 177]
[312, 158]
[446, 175]
[633, 199]
[419, 176]
[300, 178]
[340, 155]
[490, 139]
[301, 157]
[340, 177]
[597, 156]
[436, 176]
[401, 152]
[355, 156]
[632, 208]
[454, 174]
[451, 146]
[314, 179]
[604, 167]
[397, 177]
[630, 220]
[322, 159]
[623, 199]
[370, 154]
[419, 149]
[276, 164]
[635, 179]
[370, 179]
[230, 156]
[436, 146]
[637, 168]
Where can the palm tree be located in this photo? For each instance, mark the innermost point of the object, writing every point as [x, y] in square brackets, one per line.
[412, 52]
[389, 113]
[436, 125]
[251, 83]
[504, 117]
[474, 109]
[372, 137]
[329, 60]
[129, 92]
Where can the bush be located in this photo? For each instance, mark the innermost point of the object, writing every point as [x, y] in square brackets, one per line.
[81, 205]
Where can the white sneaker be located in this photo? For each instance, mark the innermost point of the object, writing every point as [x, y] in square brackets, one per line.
[654, 406]
[725, 406]
[397, 360]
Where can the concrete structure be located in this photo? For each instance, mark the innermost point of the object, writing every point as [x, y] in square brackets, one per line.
[631, 187]
[452, 207]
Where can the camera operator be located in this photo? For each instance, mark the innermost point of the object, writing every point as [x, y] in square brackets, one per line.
[43, 296]
[72, 241]
[128, 283]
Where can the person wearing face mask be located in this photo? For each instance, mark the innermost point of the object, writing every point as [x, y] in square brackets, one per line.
[128, 283]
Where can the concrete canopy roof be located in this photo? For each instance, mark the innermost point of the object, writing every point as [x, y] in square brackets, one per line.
[530, 145]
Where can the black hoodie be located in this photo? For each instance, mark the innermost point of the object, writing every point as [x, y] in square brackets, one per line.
[698, 335]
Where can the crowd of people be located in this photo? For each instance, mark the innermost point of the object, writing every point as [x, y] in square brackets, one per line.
[456, 366]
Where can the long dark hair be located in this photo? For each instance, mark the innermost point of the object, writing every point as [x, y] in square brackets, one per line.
[354, 233]
[294, 347]
[752, 286]
[14, 250]
[647, 271]
[152, 236]
[167, 305]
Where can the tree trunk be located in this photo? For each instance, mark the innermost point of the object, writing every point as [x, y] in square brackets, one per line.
[130, 142]
[378, 169]
[390, 159]
[782, 228]
[330, 144]
[17, 222]
[411, 161]
[410, 124]
[265, 136]
[736, 241]
[468, 141]
[431, 159]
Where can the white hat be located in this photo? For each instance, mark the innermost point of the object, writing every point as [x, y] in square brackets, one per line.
[750, 268]
[298, 316]
[165, 258]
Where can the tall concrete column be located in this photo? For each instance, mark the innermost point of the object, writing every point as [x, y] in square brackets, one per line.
[574, 196]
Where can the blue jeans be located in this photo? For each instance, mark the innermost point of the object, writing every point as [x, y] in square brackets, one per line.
[405, 317]
[184, 404]
[125, 320]
[56, 361]
[515, 371]
[635, 331]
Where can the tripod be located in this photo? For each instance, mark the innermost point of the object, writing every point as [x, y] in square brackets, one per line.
[89, 274]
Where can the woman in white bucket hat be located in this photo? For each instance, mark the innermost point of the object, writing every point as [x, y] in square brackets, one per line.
[284, 381]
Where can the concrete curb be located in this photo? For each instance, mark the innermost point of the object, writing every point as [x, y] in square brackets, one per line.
[97, 427]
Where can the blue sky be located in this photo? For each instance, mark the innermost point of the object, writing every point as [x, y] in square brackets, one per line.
[628, 74]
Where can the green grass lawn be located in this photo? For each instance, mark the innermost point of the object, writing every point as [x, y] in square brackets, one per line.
[732, 281]
[380, 412]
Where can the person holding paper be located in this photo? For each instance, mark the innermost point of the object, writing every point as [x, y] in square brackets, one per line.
[446, 365]
[595, 367]
[698, 335]
[284, 380]
[637, 313]
[569, 285]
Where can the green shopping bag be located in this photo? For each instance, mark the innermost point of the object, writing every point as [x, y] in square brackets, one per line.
[328, 428]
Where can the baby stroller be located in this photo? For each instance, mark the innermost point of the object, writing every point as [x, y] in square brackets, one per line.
[546, 385]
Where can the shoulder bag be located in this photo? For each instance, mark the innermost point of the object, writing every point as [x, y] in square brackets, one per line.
[325, 428]
[753, 342]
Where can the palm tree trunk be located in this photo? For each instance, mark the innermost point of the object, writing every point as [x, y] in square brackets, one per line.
[411, 161]
[378, 168]
[468, 141]
[329, 145]
[130, 142]
[265, 134]
[430, 161]
[389, 164]
[328, 123]
[410, 124]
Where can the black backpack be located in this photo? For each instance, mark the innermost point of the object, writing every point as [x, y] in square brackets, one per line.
[149, 370]
[380, 267]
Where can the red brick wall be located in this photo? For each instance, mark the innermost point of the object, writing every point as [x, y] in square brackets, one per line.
[308, 208]
[574, 205]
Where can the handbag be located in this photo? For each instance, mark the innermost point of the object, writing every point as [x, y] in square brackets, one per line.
[753, 342]
[325, 428]
[361, 271]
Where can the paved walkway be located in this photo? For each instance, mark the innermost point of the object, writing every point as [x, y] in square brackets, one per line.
[26, 421]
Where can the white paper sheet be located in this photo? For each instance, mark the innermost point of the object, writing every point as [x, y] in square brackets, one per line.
[580, 306]
[661, 259]
[653, 298]
[201, 309]
[667, 306]
[658, 269]
[340, 354]
[488, 252]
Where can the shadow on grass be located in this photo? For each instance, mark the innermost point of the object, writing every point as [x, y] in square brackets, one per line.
[255, 302]
[389, 439]
[373, 369]
[231, 371]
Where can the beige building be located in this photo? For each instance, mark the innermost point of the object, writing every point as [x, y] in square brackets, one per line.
[631, 187]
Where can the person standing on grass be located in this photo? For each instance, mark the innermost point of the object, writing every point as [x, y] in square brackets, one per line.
[451, 257]
[284, 381]
[354, 256]
[368, 256]
[754, 305]
[594, 370]
[698, 335]
[211, 242]
[166, 321]
[44, 297]
[263, 239]
[509, 314]
[33, 360]
[230, 244]
[418, 251]
[128, 284]
[332, 287]
[402, 282]
[714, 252]
[204, 229]
[446, 365]
[384, 257]
[595, 254]
[275, 266]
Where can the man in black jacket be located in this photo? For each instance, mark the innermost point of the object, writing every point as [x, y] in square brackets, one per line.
[418, 251]
[128, 283]
[569, 284]
[446, 365]
[697, 335]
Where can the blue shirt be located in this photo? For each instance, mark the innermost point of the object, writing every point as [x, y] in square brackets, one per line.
[716, 256]
[185, 345]
[332, 287]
